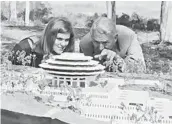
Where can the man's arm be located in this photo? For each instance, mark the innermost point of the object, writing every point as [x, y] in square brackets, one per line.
[134, 58]
[134, 52]
[131, 50]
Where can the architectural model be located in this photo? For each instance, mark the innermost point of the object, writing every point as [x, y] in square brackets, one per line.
[75, 79]
[105, 101]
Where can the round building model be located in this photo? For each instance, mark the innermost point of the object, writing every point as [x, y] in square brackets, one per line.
[74, 69]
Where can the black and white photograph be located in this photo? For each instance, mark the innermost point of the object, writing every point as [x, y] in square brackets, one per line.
[86, 62]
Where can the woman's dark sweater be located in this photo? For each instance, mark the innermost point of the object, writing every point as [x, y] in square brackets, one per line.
[29, 46]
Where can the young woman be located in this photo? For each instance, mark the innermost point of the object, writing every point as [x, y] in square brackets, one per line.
[58, 37]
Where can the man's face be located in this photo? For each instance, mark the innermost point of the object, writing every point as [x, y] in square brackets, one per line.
[62, 40]
[108, 44]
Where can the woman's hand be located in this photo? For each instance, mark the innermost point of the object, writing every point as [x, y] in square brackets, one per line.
[46, 57]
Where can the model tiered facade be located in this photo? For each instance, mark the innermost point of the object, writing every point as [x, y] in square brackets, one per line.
[73, 69]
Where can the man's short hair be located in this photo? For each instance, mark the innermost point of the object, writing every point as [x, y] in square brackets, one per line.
[101, 28]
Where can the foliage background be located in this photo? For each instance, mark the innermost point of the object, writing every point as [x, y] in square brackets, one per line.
[42, 11]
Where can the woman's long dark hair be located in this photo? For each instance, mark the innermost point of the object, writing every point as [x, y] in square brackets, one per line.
[55, 26]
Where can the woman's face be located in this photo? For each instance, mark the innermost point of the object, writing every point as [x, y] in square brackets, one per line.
[62, 40]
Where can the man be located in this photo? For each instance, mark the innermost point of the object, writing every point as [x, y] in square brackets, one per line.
[114, 46]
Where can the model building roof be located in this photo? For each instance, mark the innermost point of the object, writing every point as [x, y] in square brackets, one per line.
[72, 64]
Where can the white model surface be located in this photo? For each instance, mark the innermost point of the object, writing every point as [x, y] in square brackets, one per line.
[119, 107]
[162, 105]
[106, 102]
[75, 63]
[72, 56]
[74, 73]
[66, 68]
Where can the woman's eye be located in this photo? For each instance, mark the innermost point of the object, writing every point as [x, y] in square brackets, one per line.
[59, 39]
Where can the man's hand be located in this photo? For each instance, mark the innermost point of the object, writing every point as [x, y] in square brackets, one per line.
[106, 54]
[107, 58]
[113, 62]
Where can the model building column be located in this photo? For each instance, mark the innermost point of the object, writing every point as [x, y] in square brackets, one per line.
[55, 81]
